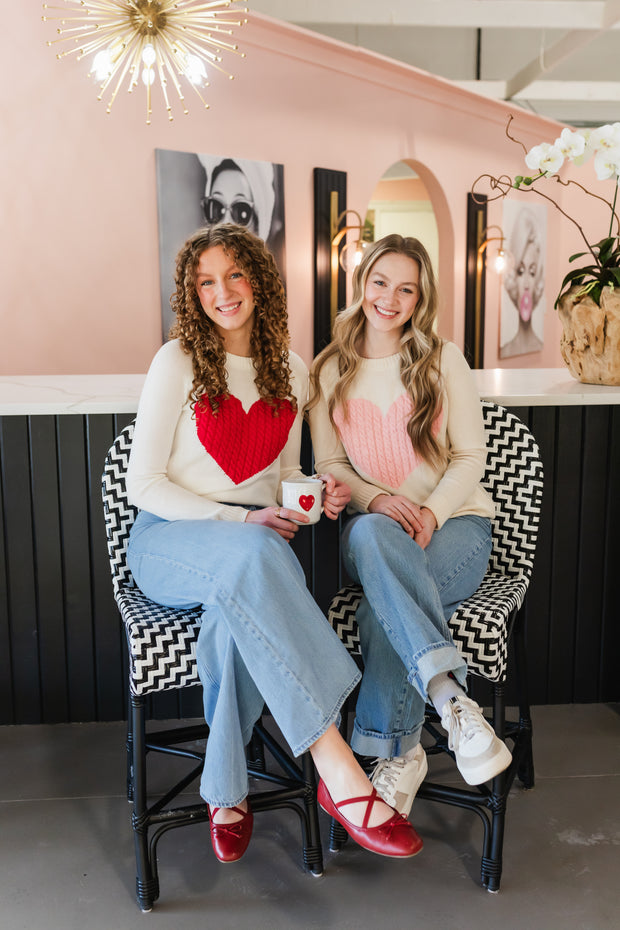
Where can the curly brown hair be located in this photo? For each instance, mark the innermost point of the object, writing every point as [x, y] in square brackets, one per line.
[420, 347]
[269, 340]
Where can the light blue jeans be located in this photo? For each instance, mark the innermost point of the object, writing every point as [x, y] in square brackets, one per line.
[263, 638]
[409, 594]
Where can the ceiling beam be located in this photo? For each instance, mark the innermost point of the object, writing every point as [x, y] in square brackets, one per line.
[580, 91]
[564, 48]
[589, 15]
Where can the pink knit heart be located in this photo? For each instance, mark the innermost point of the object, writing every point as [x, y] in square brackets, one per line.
[378, 444]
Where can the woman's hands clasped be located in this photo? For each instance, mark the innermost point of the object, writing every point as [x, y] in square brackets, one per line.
[418, 522]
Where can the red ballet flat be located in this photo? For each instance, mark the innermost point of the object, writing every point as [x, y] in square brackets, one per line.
[230, 840]
[396, 837]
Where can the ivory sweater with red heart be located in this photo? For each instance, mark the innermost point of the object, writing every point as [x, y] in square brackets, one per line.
[371, 451]
[187, 465]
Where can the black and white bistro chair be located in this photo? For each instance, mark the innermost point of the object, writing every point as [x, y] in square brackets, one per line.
[482, 628]
[161, 645]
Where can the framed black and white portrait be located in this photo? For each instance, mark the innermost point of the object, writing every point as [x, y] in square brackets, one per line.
[196, 189]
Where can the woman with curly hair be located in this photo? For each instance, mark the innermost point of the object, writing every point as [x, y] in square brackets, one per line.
[218, 428]
[395, 414]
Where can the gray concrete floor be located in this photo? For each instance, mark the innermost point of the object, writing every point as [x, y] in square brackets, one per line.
[66, 854]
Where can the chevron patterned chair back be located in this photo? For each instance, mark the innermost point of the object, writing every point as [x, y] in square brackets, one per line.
[161, 641]
[484, 624]
[161, 644]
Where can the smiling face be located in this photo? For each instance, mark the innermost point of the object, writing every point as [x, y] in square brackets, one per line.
[226, 297]
[391, 295]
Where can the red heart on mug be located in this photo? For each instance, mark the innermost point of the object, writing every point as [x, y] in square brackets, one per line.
[306, 501]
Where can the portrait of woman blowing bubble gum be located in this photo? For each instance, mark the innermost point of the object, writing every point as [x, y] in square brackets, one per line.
[524, 283]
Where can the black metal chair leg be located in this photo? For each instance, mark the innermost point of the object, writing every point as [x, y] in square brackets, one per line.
[147, 890]
[313, 850]
[129, 748]
[525, 768]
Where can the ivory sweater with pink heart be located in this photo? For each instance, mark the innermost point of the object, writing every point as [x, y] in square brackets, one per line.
[192, 465]
[370, 448]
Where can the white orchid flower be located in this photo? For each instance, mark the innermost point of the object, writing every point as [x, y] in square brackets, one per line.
[607, 163]
[545, 158]
[571, 144]
[605, 137]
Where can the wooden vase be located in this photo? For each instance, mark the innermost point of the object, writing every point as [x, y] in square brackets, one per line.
[590, 342]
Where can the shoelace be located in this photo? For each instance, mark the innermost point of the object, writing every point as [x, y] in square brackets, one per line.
[464, 723]
[385, 772]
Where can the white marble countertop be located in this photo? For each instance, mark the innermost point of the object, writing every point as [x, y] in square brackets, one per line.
[541, 387]
[58, 394]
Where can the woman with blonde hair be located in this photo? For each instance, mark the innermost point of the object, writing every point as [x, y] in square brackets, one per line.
[395, 414]
[218, 429]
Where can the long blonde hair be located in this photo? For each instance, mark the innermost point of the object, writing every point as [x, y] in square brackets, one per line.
[420, 347]
[269, 339]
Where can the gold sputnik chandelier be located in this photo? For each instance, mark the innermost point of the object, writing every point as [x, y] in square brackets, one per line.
[148, 41]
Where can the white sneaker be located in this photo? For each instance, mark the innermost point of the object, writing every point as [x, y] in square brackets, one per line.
[397, 780]
[480, 754]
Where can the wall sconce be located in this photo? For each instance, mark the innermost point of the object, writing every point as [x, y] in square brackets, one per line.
[350, 255]
[502, 261]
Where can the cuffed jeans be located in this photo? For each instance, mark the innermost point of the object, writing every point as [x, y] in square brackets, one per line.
[262, 640]
[409, 594]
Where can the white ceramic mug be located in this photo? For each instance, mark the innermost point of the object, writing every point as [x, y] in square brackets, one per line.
[305, 496]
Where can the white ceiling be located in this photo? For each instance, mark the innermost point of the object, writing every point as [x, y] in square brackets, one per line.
[559, 58]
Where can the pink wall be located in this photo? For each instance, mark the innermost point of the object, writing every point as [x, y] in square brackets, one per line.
[79, 282]
[400, 189]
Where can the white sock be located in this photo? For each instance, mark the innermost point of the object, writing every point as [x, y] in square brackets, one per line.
[441, 688]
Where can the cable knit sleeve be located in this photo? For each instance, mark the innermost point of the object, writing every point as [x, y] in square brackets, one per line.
[163, 399]
[466, 440]
[290, 468]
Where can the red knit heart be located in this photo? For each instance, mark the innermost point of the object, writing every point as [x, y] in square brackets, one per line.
[306, 501]
[241, 443]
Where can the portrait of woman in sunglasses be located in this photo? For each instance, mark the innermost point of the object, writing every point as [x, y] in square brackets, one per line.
[198, 189]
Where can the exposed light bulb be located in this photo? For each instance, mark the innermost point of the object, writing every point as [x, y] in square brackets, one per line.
[148, 55]
[102, 65]
[195, 70]
[352, 254]
[500, 261]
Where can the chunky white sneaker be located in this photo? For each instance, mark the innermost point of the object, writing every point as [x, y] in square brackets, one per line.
[397, 780]
[480, 754]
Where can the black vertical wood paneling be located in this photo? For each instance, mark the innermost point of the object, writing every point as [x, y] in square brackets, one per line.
[610, 640]
[593, 518]
[54, 674]
[565, 544]
[107, 629]
[62, 654]
[542, 422]
[7, 709]
[23, 644]
[75, 538]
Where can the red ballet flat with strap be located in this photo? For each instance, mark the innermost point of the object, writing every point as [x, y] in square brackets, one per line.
[395, 837]
[230, 840]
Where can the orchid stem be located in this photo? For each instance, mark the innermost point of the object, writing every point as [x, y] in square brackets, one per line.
[613, 209]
